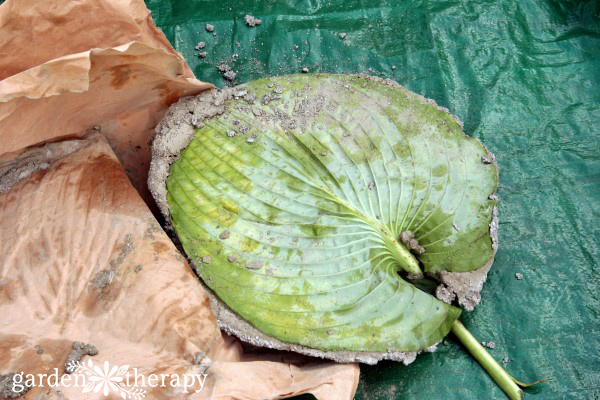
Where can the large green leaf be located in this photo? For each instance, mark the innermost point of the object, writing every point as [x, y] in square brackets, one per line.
[292, 207]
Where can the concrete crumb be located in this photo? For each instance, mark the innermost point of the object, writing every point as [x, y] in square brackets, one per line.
[444, 294]
[488, 158]
[209, 28]
[491, 345]
[371, 185]
[200, 45]
[505, 360]
[223, 68]
[207, 259]
[224, 235]
[202, 55]
[6, 387]
[393, 67]
[305, 70]
[456, 226]
[266, 99]
[466, 286]
[230, 133]
[103, 278]
[254, 264]
[229, 75]
[79, 350]
[342, 35]
[252, 21]
[231, 259]
[519, 276]
[408, 238]
[432, 348]
[494, 230]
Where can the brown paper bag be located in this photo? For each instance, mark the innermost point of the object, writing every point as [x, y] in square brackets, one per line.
[71, 66]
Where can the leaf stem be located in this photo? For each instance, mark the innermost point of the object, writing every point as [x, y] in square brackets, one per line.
[405, 259]
[495, 370]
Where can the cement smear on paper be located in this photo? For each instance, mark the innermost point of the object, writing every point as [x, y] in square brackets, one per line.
[6, 387]
[35, 159]
[78, 351]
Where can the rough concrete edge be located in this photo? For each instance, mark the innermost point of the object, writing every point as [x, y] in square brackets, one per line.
[467, 286]
[423, 99]
[464, 286]
[233, 324]
[39, 158]
[176, 130]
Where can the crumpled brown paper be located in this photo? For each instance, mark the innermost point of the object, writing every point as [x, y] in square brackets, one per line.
[81, 256]
[72, 66]
[83, 259]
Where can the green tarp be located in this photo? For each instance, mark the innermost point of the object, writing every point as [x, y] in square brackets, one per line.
[524, 76]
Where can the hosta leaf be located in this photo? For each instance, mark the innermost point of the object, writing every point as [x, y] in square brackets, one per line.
[292, 206]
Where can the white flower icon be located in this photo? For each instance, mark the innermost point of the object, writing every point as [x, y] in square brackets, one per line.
[105, 379]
